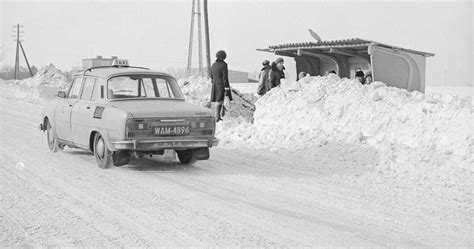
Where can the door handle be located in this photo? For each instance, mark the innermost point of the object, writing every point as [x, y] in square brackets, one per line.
[88, 107]
[70, 105]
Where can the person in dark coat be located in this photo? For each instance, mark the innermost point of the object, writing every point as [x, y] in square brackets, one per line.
[360, 76]
[276, 74]
[220, 83]
[263, 80]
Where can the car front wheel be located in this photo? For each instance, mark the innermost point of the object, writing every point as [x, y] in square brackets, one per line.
[187, 156]
[103, 156]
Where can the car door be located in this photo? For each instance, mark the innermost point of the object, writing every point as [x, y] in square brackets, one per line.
[82, 113]
[64, 110]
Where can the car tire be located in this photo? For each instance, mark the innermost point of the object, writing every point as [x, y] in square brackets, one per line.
[52, 138]
[187, 156]
[103, 156]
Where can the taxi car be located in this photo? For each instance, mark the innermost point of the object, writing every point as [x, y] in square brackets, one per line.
[119, 112]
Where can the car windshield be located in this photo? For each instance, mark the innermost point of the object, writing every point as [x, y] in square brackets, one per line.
[143, 86]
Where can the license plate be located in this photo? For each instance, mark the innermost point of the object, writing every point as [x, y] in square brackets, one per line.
[171, 130]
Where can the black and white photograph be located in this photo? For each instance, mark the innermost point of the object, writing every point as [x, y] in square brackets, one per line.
[236, 124]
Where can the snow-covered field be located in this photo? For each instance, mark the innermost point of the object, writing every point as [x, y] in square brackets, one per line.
[453, 90]
[321, 162]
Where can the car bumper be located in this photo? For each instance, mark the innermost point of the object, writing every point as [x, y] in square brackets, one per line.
[150, 145]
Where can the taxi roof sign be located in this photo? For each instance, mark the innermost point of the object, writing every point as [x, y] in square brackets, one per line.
[120, 63]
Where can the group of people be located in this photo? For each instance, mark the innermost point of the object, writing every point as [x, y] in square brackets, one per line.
[270, 75]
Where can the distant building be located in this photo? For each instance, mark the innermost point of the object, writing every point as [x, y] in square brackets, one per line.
[234, 76]
[97, 62]
[76, 69]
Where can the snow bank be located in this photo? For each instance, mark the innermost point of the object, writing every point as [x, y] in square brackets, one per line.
[197, 90]
[309, 112]
[48, 76]
[422, 141]
[43, 86]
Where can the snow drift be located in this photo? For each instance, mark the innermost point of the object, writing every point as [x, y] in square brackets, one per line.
[421, 140]
[48, 76]
[311, 111]
[43, 86]
[197, 90]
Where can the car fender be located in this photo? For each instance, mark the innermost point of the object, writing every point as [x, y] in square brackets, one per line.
[48, 112]
[105, 134]
[111, 125]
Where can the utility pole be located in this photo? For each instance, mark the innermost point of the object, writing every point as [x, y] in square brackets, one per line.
[208, 45]
[17, 36]
[195, 12]
[17, 60]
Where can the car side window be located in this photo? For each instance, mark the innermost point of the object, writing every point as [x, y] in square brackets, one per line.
[88, 88]
[164, 90]
[148, 87]
[75, 89]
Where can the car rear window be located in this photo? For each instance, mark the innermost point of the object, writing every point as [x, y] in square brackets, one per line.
[143, 86]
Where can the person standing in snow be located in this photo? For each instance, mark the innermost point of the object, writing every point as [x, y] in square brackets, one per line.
[263, 80]
[277, 73]
[220, 83]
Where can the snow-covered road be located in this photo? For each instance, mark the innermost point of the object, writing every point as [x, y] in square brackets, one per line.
[324, 196]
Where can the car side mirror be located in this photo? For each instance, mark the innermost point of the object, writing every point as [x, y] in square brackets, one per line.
[62, 94]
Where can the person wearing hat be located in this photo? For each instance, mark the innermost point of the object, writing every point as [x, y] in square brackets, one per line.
[360, 76]
[276, 74]
[263, 80]
[368, 77]
[220, 83]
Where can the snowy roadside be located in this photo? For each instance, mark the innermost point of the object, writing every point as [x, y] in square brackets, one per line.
[312, 167]
[423, 141]
[39, 89]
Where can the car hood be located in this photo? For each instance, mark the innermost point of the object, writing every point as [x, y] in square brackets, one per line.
[161, 108]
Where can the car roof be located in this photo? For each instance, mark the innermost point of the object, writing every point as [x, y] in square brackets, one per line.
[106, 72]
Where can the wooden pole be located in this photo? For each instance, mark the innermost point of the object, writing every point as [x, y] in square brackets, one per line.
[17, 60]
[26, 59]
[191, 32]
[201, 70]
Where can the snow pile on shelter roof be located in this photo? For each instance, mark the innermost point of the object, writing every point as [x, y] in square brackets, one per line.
[48, 76]
[197, 90]
[311, 111]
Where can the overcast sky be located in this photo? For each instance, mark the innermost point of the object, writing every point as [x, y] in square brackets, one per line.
[156, 33]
